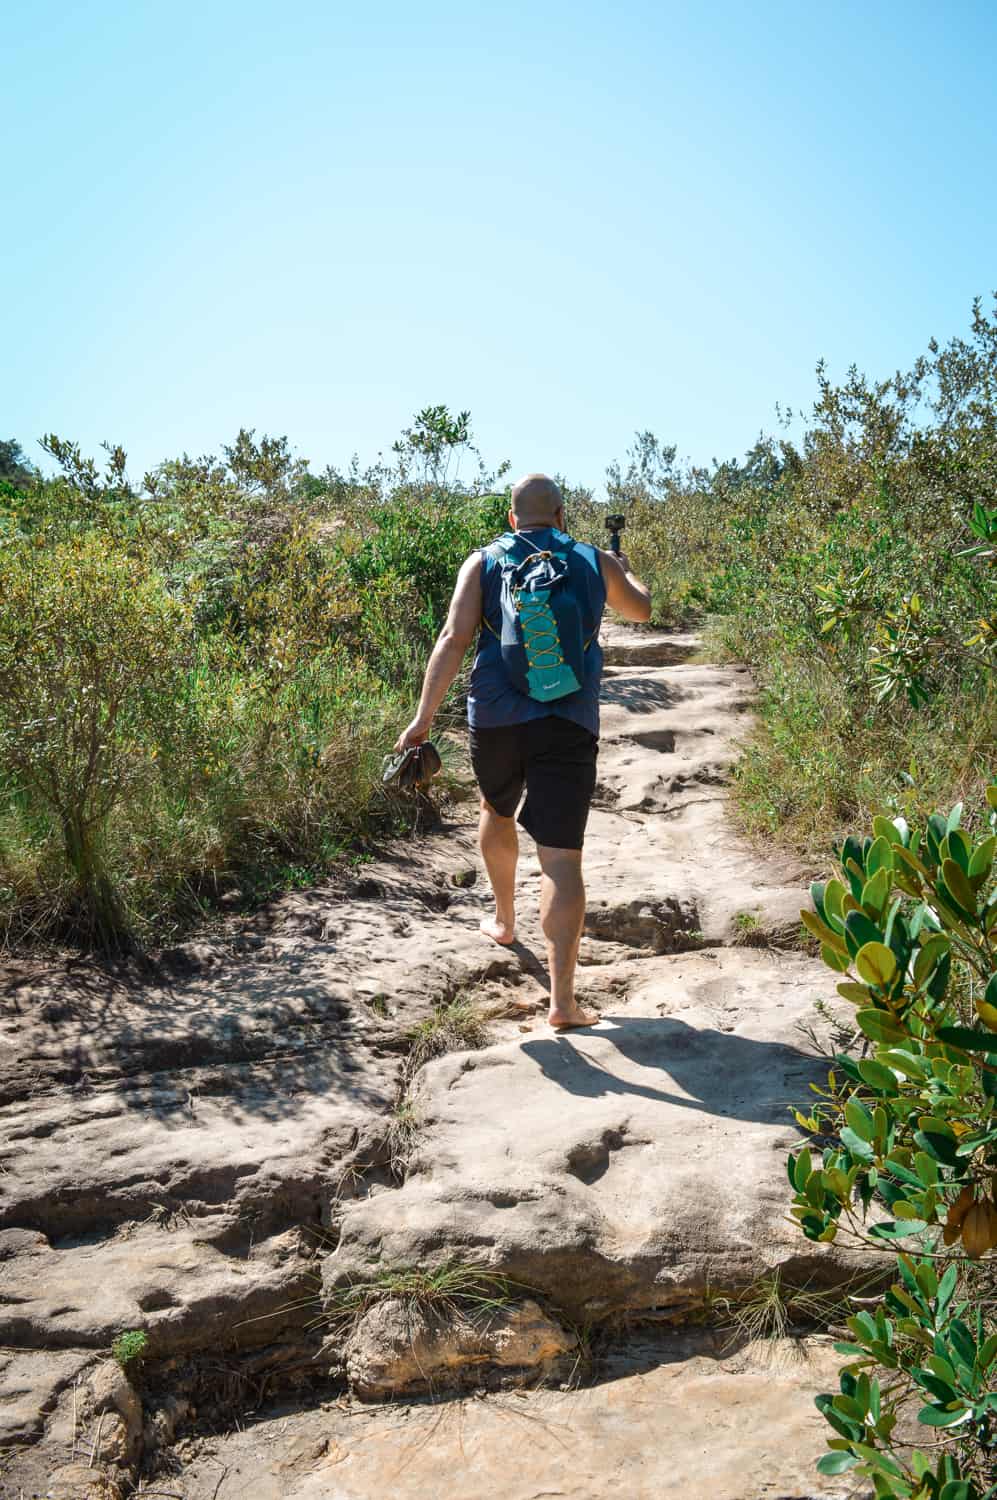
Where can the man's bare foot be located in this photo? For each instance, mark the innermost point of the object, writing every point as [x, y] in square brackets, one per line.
[499, 932]
[564, 1020]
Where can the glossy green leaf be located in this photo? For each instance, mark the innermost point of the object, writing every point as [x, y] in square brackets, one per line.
[905, 1062]
[927, 1168]
[824, 934]
[858, 994]
[941, 1147]
[860, 1119]
[834, 895]
[876, 893]
[982, 858]
[899, 1229]
[960, 849]
[958, 884]
[853, 1143]
[880, 856]
[877, 1076]
[946, 1287]
[935, 1416]
[836, 1463]
[859, 930]
[879, 1026]
[968, 1039]
[834, 959]
[931, 952]
[876, 964]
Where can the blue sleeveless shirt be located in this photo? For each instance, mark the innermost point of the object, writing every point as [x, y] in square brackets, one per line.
[492, 700]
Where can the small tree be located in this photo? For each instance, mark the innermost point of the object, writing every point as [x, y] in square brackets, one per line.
[91, 648]
[15, 469]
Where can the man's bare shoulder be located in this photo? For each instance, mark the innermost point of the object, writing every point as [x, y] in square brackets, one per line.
[469, 576]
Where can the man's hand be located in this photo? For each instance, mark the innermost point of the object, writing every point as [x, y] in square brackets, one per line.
[417, 733]
[624, 561]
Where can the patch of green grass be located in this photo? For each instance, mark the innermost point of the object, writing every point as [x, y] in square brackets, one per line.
[449, 1287]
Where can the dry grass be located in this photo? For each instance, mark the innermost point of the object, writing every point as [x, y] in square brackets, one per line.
[448, 1288]
[456, 1026]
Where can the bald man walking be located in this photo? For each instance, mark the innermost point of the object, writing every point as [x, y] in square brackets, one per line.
[547, 748]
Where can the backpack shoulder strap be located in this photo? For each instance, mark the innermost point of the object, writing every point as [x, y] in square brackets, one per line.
[500, 552]
[501, 548]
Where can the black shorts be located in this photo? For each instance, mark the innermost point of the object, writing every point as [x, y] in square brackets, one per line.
[554, 759]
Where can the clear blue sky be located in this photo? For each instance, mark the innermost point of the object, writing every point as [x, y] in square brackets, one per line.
[574, 219]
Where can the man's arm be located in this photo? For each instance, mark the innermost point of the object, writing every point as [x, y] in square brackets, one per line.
[463, 623]
[624, 591]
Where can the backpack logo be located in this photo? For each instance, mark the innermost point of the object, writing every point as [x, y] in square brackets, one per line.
[542, 636]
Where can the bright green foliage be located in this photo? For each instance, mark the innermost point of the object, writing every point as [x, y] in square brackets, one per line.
[422, 546]
[908, 1147]
[129, 1346]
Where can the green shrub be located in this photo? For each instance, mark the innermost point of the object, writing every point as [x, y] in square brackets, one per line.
[423, 541]
[910, 1125]
[854, 571]
[130, 1346]
[92, 649]
[199, 677]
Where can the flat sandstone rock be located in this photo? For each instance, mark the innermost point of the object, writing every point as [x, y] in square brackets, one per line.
[635, 1165]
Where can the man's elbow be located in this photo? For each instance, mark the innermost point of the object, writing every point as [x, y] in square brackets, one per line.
[452, 642]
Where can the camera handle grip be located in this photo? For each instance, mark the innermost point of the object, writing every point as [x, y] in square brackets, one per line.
[614, 543]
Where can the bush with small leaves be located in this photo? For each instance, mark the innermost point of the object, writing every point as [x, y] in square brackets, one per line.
[92, 652]
[130, 1346]
[905, 1148]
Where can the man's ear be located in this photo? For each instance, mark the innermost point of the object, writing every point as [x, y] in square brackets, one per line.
[512, 521]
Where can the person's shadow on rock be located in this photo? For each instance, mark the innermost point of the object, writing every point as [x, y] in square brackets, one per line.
[715, 1071]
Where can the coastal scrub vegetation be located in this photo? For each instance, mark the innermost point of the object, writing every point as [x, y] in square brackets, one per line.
[200, 673]
[903, 1152]
[201, 670]
[855, 569]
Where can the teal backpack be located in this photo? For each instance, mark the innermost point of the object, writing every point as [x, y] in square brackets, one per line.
[542, 635]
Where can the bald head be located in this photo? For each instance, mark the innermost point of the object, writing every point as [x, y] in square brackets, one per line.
[536, 501]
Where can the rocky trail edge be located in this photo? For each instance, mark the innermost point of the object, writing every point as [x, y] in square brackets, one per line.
[211, 1156]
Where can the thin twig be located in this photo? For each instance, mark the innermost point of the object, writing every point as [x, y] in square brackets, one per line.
[95, 1450]
[221, 1478]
